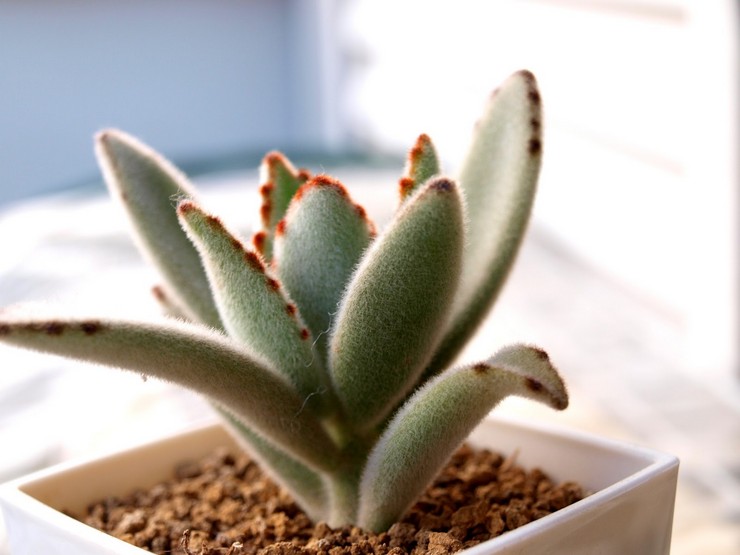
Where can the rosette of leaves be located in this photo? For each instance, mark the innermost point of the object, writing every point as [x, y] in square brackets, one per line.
[326, 345]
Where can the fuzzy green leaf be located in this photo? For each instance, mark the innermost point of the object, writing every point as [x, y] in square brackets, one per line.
[305, 485]
[191, 356]
[279, 183]
[317, 248]
[422, 164]
[437, 418]
[499, 180]
[148, 186]
[252, 304]
[397, 303]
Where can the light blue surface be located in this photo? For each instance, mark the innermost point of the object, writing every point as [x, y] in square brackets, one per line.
[193, 77]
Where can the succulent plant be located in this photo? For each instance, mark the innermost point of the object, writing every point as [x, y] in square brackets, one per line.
[325, 345]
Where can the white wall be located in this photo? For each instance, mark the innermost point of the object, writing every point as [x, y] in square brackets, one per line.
[640, 162]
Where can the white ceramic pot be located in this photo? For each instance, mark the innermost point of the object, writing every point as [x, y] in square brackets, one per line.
[630, 511]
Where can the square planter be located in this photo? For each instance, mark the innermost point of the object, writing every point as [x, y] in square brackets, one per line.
[629, 511]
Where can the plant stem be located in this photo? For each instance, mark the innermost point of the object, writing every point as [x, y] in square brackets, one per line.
[343, 492]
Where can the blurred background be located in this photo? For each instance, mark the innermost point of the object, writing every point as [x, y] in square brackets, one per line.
[629, 275]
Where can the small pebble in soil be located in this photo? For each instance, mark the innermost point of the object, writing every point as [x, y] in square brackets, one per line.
[224, 505]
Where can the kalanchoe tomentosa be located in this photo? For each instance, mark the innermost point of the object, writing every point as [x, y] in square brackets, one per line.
[324, 344]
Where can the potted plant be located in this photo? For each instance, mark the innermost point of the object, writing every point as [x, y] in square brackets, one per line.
[325, 345]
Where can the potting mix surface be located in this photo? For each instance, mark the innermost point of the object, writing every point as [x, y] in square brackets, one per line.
[225, 505]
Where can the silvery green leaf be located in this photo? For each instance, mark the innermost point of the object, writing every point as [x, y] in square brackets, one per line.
[317, 248]
[422, 164]
[438, 417]
[397, 303]
[191, 356]
[253, 306]
[499, 180]
[279, 181]
[148, 187]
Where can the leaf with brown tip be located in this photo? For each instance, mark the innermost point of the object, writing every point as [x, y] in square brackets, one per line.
[425, 432]
[499, 181]
[253, 305]
[148, 187]
[422, 163]
[191, 356]
[321, 240]
[279, 181]
[397, 304]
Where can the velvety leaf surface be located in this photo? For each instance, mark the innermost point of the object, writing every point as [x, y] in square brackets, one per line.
[436, 420]
[252, 305]
[279, 182]
[318, 246]
[422, 164]
[397, 303]
[148, 187]
[498, 179]
[190, 356]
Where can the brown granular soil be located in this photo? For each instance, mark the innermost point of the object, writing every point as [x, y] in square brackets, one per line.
[224, 505]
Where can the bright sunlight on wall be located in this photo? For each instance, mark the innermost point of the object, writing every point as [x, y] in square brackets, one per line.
[640, 168]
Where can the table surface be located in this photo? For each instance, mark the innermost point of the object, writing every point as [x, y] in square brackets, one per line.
[615, 350]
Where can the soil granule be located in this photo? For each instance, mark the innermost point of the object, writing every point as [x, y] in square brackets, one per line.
[224, 505]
